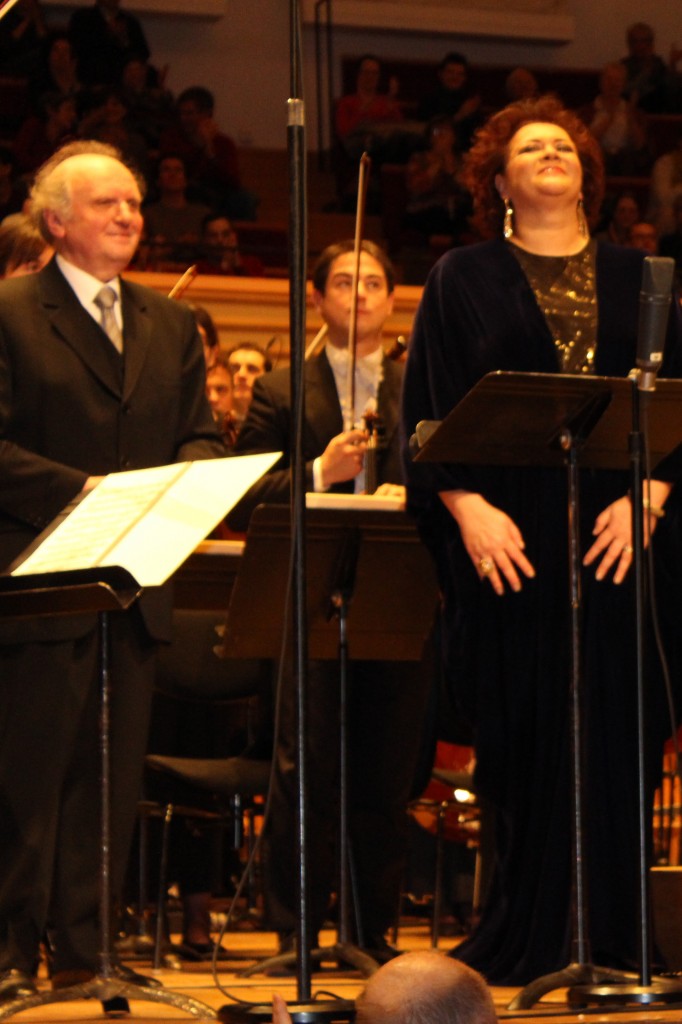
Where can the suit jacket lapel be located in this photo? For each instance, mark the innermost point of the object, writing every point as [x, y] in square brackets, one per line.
[388, 401]
[77, 328]
[323, 410]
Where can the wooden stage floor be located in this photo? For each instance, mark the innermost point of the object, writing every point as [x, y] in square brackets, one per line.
[196, 980]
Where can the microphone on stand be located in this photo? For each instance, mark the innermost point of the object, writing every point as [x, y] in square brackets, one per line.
[654, 305]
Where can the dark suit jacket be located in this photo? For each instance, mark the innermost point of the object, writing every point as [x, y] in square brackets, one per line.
[70, 407]
[268, 428]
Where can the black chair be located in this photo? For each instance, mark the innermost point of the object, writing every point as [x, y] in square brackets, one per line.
[192, 675]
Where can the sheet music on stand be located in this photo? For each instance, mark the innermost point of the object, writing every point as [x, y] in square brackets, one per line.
[146, 521]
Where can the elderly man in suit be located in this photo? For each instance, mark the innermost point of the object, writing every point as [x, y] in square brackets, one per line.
[387, 699]
[97, 375]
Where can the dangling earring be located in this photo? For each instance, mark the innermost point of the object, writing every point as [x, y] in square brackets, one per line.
[508, 226]
[582, 219]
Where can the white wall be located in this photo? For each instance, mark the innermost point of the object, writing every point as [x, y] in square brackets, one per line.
[244, 56]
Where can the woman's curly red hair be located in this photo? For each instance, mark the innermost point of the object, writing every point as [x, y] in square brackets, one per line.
[487, 157]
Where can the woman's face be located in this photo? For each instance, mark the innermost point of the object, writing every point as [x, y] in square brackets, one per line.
[542, 164]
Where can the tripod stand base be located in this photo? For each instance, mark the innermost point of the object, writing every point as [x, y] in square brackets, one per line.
[660, 991]
[584, 976]
[336, 1011]
[345, 954]
[102, 988]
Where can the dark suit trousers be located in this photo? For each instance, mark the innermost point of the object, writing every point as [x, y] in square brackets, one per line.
[386, 709]
[50, 822]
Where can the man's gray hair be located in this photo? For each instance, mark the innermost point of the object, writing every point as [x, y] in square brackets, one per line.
[51, 186]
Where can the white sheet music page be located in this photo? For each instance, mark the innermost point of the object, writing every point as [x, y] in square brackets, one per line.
[148, 520]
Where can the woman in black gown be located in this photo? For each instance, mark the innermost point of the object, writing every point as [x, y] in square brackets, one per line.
[541, 296]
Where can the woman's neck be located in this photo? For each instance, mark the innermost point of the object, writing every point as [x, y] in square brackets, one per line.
[550, 234]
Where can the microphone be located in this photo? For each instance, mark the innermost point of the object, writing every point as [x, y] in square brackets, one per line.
[654, 305]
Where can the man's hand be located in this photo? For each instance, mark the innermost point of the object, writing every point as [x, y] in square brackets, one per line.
[343, 457]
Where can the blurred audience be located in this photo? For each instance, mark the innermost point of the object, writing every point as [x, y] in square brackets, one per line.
[623, 214]
[23, 250]
[13, 189]
[57, 74]
[107, 121]
[43, 133]
[150, 104]
[670, 244]
[210, 156]
[618, 125]
[368, 120]
[22, 31]
[521, 84]
[648, 79]
[437, 203]
[454, 97]
[643, 235]
[666, 186]
[219, 248]
[173, 224]
[104, 38]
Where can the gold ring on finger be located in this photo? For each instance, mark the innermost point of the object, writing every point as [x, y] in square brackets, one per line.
[486, 565]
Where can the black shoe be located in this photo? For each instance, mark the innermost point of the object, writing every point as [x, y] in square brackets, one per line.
[375, 945]
[196, 950]
[117, 1006]
[14, 984]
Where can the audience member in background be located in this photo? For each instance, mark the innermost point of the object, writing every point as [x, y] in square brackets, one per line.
[211, 158]
[649, 80]
[643, 235]
[624, 213]
[12, 189]
[57, 74]
[454, 97]
[150, 104]
[618, 125]
[521, 84]
[42, 134]
[104, 37]
[107, 121]
[666, 186]
[247, 362]
[671, 243]
[219, 394]
[22, 31]
[219, 247]
[364, 118]
[420, 987]
[173, 224]
[437, 203]
[23, 250]
[207, 332]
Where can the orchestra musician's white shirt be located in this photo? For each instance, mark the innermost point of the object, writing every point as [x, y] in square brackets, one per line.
[369, 372]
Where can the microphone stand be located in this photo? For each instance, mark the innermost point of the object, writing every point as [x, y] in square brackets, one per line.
[648, 990]
[303, 1010]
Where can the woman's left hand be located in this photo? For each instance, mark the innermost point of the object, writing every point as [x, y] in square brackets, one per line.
[613, 530]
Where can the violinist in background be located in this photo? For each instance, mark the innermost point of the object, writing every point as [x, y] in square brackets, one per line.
[387, 700]
[247, 362]
[219, 394]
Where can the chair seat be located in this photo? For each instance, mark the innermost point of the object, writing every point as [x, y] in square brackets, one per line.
[229, 776]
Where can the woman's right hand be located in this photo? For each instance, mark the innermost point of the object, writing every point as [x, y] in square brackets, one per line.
[492, 539]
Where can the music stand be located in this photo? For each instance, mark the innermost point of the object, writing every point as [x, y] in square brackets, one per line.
[74, 592]
[551, 420]
[371, 595]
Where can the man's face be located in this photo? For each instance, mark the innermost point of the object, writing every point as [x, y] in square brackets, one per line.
[246, 365]
[375, 302]
[190, 116]
[453, 76]
[219, 391]
[220, 234]
[101, 231]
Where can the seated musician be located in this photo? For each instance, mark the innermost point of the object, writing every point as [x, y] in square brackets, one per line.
[386, 699]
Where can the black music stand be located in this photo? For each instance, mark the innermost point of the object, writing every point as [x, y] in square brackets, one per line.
[75, 592]
[371, 595]
[550, 420]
